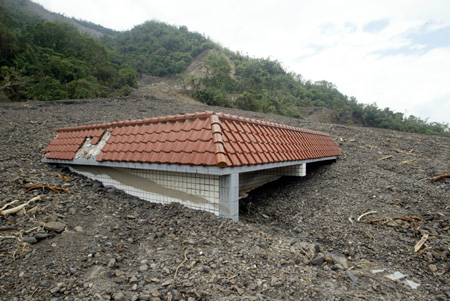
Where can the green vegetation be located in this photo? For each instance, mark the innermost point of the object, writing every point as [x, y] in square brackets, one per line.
[159, 49]
[53, 60]
[263, 85]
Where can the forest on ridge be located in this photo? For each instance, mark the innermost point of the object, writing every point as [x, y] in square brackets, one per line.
[43, 61]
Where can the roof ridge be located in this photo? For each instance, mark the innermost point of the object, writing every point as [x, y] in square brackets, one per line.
[216, 129]
[171, 118]
[268, 123]
[144, 121]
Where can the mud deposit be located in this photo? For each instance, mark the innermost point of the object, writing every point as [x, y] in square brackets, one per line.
[298, 238]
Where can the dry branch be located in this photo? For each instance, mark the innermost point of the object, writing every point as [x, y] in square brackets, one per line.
[445, 175]
[407, 219]
[420, 243]
[384, 158]
[9, 204]
[364, 214]
[20, 207]
[178, 267]
[350, 220]
[8, 237]
[43, 187]
[396, 150]
[408, 161]
[65, 178]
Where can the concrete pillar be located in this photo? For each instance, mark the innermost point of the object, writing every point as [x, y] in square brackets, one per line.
[229, 196]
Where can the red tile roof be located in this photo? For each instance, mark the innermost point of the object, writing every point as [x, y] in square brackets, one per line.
[208, 139]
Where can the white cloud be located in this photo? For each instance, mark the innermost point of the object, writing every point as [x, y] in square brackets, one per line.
[322, 40]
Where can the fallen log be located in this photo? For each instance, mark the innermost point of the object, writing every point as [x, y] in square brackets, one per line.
[445, 175]
[407, 219]
[43, 187]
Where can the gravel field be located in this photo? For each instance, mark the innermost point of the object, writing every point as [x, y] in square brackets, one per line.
[298, 238]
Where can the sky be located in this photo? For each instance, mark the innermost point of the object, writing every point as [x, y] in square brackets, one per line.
[395, 53]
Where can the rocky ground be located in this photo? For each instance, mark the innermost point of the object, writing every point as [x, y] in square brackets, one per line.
[298, 238]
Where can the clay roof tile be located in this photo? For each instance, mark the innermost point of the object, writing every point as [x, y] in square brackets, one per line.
[205, 138]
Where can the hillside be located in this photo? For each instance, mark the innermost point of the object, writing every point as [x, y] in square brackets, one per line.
[297, 238]
[53, 60]
[30, 13]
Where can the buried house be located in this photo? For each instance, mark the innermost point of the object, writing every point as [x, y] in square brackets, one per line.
[202, 160]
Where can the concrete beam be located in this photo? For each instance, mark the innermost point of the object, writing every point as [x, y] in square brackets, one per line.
[294, 170]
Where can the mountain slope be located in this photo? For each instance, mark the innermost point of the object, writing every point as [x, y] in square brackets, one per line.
[228, 79]
[29, 13]
[53, 60]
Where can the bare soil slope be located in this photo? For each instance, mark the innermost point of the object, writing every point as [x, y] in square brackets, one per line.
[298, 238]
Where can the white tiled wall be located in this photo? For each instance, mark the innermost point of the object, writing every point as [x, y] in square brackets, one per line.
[212, 193]
[195, 191]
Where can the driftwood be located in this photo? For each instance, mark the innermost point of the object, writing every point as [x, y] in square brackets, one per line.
[43, 187]
[407, 219]
[384, 158]
[396, 150]
[364, 214]
[420, 243]
[445, 175]
[408, 161]
[9, 204]
[20, 207]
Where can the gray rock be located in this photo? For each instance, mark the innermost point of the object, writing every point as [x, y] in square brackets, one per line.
[133, 279]
[55, 226]
[31, 240]
[337, 267]
[175, 294]
[351, 276]
[40, 236]
[340, 260]
[329, 284]
[206, 269]
[318, 260]
[329, 258]
[433, 268]
[143, 268]
[119, 297]
[111, 263]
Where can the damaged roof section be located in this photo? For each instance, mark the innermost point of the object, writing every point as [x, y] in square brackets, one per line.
[200, 139]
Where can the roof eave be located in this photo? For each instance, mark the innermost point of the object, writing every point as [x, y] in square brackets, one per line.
[210, 170]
